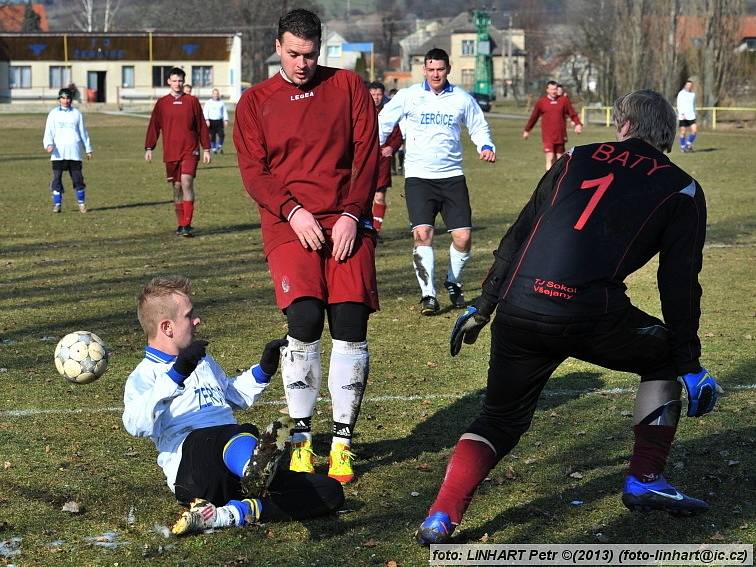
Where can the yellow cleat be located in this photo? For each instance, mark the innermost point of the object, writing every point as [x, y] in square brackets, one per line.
[302, 457]
[340, 463]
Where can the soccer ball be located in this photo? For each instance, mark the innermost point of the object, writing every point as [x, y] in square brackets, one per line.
[81, 357]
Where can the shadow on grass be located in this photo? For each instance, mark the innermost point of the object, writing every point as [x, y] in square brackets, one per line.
[130, 206]
[721, 488]
[25, 158]
[442, 430]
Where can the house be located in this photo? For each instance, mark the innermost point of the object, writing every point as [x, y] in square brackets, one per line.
[334, 52]
[459, 38]
[116, 68]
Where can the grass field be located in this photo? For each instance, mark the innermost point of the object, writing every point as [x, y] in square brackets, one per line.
[60, 442]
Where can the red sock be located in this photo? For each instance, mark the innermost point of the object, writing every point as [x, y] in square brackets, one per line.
[379, 212]
[650, 452]
[179, 213]
[470, 463]
[188, 212]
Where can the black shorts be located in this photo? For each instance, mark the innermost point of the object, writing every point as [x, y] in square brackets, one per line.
[202, 472]
[291, 495]
[66, 165]
[685, 123]
[428, 197]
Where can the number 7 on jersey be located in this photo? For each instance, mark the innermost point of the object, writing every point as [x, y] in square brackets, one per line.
[603, 184]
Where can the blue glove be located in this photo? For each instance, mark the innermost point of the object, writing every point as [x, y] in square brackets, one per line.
[703, 392]
[467, 328]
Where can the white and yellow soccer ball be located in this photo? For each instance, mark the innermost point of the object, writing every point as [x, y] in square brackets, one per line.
[81, 357]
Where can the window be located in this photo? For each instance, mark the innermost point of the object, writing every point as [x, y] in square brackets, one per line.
[20, 77]
[334, 51]
[160, 75]
[60, 76]
[127, 77]
[202, 76]
[468, 78]
[468, 47]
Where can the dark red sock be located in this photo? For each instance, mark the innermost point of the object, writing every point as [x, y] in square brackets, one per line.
[470, 463]
[379, 213]
[188, 212]
[179, 213]
[650, 452]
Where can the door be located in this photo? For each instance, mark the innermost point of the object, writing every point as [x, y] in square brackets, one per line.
[96, 86]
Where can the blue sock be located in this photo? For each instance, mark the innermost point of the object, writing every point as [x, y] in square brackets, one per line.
[80, 196]
[57, 197]
[682, 142]
[691, 139]
[245, 508]
[237, 452]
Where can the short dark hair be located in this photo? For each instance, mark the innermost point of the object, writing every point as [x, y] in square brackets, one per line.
[301, 23]
[377, 85]
[552, 83]
[437, 54]
[68, 93]
[176, 71]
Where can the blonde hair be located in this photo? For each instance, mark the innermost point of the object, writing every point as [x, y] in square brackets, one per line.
[155, 301]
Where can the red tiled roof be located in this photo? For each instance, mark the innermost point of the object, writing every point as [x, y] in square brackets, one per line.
[12, 17]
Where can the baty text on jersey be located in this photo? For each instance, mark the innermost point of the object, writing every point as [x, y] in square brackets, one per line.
[606, 152]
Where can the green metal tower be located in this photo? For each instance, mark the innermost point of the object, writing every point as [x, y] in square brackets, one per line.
[483, 60]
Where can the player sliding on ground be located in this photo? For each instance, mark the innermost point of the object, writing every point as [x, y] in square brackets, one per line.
[601, 213]
[224, 473]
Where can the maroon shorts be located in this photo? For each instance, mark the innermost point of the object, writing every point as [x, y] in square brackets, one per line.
[298, 272]
[553, 148]
[175, 169]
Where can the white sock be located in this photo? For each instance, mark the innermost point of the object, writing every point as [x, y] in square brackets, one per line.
[422, 257]
[457, 261]
[301, 373]
[347, 377]
[226, 516]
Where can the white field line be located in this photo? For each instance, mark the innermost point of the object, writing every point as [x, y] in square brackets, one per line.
[375, 399]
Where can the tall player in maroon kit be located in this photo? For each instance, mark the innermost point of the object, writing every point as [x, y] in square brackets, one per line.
[552, 109]
[557, 285]
[395, 140]
[179, 117]
[307, 146]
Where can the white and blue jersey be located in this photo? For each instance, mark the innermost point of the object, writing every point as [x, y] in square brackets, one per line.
[66, 131]
[155, 406]
[432, 127]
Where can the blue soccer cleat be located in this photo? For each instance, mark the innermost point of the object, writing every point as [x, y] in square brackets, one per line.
[659, 495]
[437, 528]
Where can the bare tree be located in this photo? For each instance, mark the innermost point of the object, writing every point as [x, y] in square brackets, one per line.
[594, 38]
[84, 18]
[111, 9]
[31, 21]
[630, 44]
[721, 26]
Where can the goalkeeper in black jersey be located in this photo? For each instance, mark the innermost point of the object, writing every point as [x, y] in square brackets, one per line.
[557, 285]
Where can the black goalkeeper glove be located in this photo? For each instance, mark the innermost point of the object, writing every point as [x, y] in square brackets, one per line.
[272, 355]
[188, 359]
[469, 325]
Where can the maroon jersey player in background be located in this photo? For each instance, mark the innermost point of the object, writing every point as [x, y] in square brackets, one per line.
[178, 116]
[552, 109]
[307, 147]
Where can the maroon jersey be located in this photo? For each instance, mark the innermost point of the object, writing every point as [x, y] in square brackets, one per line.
[183, 126]
[314, 147]
[552, 112]
[395, 141]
